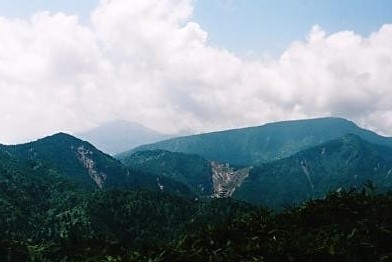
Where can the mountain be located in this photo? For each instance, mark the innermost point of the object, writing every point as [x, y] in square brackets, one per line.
[74, 158]
[262, 144]
[344, 163]
[205, 178]
[84, 165]
[118, 136]
[63, 199]
[46, 216]
[192, 170]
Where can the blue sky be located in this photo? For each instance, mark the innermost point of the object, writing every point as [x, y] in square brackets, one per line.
[270, 25]
[151, 62]
[243, 26]
[23, 8]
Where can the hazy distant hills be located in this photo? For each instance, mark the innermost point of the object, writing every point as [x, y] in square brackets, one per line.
[118, 136]
[262, 144]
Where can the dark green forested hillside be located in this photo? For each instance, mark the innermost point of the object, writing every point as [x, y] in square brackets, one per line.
[46, 218]
[192, 170]
[338, 164]
[347, 162]
[75, 158]
[256, 145]
[48, 215]
[346, 226]
[143, 226]
[86, 166]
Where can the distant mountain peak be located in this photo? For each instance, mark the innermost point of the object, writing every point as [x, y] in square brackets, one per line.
[62, 135]
[118, 136]
[73, 158]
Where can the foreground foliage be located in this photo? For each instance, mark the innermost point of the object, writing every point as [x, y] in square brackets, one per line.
[144, 226]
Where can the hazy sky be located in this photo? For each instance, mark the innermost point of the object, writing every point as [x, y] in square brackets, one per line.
[203, 65]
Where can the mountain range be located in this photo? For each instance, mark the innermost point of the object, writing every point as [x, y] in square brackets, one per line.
[276, 164]
[262, 144]
[62, 198]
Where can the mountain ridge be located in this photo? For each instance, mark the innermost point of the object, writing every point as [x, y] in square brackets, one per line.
[343, 163]
[77, 159]
[83, 164]
[346, 162]
[261, 144]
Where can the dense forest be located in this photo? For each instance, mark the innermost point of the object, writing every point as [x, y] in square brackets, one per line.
[141, 225]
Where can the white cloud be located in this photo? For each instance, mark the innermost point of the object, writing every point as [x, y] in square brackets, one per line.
[146, 61]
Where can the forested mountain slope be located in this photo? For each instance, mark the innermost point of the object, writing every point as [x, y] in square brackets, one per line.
[257, 145]
[347, 162]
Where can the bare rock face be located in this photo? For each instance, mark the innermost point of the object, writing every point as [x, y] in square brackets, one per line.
[88, 163]
[226, 179]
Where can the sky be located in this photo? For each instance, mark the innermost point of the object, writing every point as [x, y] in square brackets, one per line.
[192, 65]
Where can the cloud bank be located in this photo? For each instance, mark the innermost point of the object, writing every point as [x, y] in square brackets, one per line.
[147, 61]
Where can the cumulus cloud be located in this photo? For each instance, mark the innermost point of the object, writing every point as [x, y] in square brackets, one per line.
[147, 61]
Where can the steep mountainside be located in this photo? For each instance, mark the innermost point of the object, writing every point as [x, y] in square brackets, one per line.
[74, 158]
[45, 217]
[346, 162]
[118, 136]
[204, 178]
[257, 145]
[192, 170]
[343, 163]
[83, 164]
[226, 179]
